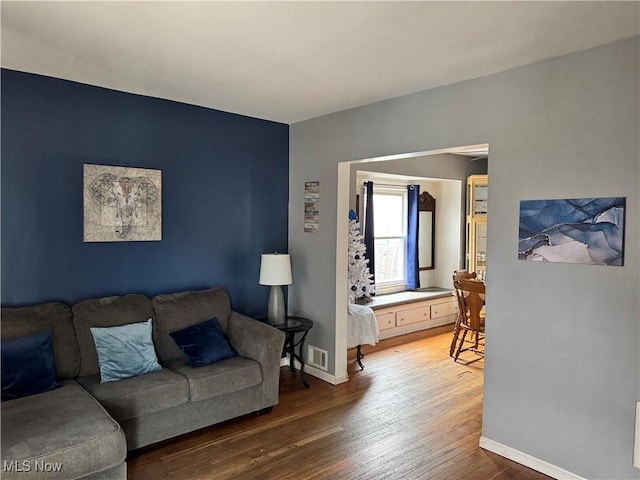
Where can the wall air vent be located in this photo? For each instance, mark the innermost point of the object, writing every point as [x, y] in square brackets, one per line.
[317, 357]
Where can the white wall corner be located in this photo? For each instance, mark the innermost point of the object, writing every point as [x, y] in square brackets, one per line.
[527, 460]
[341, 277]
[636, 439]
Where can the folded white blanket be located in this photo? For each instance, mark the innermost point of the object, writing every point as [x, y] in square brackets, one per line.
[362, 327]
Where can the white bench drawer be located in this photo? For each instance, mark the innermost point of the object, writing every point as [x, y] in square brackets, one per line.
[386, 320]
[413, 315]
[442, 309]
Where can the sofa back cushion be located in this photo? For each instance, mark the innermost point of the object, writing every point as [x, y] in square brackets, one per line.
[176, 311]
[105, 312]
[48, 317]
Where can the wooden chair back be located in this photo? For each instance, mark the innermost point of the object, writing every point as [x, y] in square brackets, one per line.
[457, 276]
[472, 296]
[463, 275]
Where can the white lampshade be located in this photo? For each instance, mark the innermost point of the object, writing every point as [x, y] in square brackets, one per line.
[275, 269]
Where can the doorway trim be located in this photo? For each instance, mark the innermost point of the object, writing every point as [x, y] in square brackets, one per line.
[342, 228]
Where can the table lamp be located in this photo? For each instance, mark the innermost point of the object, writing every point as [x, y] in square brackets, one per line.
[275, 270]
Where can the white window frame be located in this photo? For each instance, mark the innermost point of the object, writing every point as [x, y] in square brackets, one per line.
[399, 190]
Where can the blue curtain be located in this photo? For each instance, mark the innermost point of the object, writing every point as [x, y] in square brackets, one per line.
[368, 230]
[413, 271]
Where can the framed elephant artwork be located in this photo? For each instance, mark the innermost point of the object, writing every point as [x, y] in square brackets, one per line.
[122, 204]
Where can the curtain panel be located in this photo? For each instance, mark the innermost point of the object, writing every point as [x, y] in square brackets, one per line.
[370, 254]
[412, 265]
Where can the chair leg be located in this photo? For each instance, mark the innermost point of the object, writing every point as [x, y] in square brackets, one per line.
[464, 334]
[454, 340]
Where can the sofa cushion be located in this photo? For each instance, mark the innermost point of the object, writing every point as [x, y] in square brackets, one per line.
[48, 317]
[65, 427]
[218, 378]
[105, 312]
[176, 311]
[125, 351]
[27, 366]
[137, 396]
[203, 343]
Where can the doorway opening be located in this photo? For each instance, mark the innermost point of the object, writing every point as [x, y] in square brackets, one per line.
[448, 166]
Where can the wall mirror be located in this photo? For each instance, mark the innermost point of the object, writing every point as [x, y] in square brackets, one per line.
[426, 231]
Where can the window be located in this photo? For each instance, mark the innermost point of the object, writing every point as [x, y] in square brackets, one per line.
[390, 232]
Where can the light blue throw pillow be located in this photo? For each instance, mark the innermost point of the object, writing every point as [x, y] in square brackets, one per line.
[125, 351]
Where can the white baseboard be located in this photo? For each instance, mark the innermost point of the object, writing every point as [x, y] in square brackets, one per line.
[314, 372]
[527, 460]
[322, 375]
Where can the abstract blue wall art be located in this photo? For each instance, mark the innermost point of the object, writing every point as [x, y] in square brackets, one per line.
[575, 230]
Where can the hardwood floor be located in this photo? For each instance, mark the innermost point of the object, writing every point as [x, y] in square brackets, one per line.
[412, 413]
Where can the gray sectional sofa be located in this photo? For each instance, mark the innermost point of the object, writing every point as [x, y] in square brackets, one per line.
[84, 428]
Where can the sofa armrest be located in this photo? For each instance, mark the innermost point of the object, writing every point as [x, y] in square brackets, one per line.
[263, 343]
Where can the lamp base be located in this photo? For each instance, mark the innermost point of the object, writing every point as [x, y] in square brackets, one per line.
[276, 311]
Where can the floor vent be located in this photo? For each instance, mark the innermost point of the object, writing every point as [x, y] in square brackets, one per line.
[317, 357]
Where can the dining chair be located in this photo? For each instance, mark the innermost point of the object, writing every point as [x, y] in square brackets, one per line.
[459, 275]
[472, 321]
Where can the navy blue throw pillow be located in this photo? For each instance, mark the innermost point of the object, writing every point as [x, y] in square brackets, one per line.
[203, 343]
[27, 366]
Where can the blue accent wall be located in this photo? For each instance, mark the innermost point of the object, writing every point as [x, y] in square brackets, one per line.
[224, 194]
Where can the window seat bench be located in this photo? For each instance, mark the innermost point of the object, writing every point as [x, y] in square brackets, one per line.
[406, 312]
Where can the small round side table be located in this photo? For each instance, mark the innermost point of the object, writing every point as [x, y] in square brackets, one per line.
[292, 326]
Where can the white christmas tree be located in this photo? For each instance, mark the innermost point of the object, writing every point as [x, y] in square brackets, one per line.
[361, 284]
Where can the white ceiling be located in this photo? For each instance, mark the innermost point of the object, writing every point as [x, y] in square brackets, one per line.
[290, 61]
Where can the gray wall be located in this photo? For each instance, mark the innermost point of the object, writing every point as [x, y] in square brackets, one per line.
[563, 349]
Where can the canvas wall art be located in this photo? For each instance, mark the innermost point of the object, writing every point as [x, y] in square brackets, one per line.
[576, 230]
[311, 206]
[122, 204]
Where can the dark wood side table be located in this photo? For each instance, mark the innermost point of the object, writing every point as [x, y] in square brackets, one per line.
[291, 327]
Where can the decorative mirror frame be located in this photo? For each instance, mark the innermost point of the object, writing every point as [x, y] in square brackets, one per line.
[427, 203]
